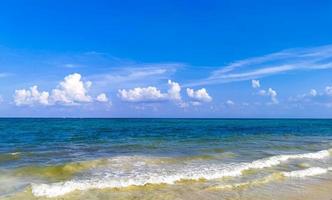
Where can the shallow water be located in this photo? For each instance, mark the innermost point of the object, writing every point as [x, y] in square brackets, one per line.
[165, 159]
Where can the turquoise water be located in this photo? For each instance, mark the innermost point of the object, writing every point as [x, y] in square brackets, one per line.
[36, 155]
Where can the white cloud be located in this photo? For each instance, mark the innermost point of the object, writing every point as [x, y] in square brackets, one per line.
[328, 90]
[71, 91]
[152, 94]
[174, 90]
[230, 102]
[31, 97]
[273, 95]
[262, 92]
[255, 84]
[102, 97]
[317, 58]
[70, 65]
[183, 104]
[200, 95]
[313, 97]
[307, 97]
[148, 94]
[134, 74]
[313, 92]
[270, 93]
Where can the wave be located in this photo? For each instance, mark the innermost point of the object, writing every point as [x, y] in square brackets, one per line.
[141, 174]
[313, 171]
[256, 182]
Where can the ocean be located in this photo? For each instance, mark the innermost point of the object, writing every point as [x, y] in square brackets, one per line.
[165, 159]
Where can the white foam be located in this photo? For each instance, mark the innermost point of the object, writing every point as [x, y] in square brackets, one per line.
[313, 171]
[276, 160]
[143, 174]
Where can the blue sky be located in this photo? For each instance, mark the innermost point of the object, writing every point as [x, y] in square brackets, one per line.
[166, 58]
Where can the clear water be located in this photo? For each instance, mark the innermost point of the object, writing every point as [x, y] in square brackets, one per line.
[106, 158]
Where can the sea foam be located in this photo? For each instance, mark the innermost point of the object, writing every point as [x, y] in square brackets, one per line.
[142, 174]
[313, 171]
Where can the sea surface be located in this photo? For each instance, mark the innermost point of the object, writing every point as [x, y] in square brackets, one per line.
[166, 159]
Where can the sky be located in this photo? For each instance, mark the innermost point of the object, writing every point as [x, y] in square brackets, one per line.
[148, 58]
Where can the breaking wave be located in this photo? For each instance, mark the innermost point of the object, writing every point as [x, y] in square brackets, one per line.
[141, 174]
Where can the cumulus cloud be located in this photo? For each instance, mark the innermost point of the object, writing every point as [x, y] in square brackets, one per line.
[102, 97]
[31, 96]
[174, 90]
[255, 84]
[270, 93]
[151, 94]
[71, 91]
[199, 96]
[148, 94]
[273, 94]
